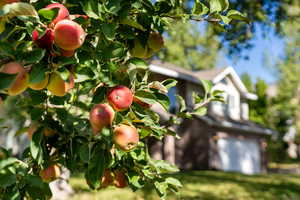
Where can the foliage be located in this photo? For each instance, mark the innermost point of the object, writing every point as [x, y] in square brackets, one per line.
[60, 112]
[188, 40]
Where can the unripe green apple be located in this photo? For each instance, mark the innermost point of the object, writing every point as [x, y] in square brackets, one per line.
[155, 41]
[138, 50]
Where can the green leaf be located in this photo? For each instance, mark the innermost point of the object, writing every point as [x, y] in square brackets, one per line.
[137, 63]
[218, 5]
[164, 167]
[49, 14]
[99, 95]
[161, 188]
[163, 100]
[113, 6]
[173, 181]
[200, 111]
[89, 8]
[7, 180]
[6, 80]
[234, 14]
[7, 162]
[37, 74]
[34, 56]
[199, 8]
[18, 9]
[226, 20]
[182, 105]
[169, 83]
[207, 85]
[146, 97]
[35, 146]
[132, 23]
[134, 180]
[84, 153]
[109, 30]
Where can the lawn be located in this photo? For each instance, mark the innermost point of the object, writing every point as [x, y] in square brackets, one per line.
[206, 185]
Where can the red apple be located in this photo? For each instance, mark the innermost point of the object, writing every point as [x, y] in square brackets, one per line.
[68, 35]
[107, 179]
[46, 41]
[125, 137]
[120, 179]
[50, 173]
[63, 12]
[101, 115]
[120, 97]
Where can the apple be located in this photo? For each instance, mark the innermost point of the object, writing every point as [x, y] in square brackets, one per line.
[40, 85]
[63, 12]
[68, 35]
[120, 179]
[67, 53]
[46, 41]
[20, 84]
[50, 173]
[101, 115]
[107, 179]
[125, 137]
[155, 41]
[120, 97]
[138, 50]
[48, 132]
[56, 85]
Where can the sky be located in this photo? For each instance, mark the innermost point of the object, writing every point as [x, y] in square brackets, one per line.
[256, 65]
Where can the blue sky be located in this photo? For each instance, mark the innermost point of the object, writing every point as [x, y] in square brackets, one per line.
[256, 65]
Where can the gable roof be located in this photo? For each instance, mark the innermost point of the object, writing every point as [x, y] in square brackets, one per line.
[214, 75]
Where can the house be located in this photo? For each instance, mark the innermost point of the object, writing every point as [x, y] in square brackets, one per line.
[223, 139]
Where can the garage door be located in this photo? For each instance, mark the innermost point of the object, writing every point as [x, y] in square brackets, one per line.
[239, 155]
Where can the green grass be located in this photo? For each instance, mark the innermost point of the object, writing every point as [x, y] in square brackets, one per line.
[206, 185]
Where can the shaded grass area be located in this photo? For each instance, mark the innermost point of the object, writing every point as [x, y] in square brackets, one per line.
[206, 185]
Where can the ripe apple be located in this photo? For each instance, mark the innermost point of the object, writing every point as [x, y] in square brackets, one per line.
[120, 97]
[46, 41]
[40, 85]
[63, 12]
[101, 115]
[50, 174]
[56, 85]
[125, 137]
[67, 53]
[20, 84]
[68, 35]
[155, 41]
[107, 179]
[120, 179]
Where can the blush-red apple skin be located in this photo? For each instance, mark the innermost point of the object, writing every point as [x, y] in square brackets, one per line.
[120, 179]
[125, 137]
[68, 35]
[120, 97]
[101, 115]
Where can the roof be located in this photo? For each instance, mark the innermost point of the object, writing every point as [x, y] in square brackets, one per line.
[214, 75]
[221, 122]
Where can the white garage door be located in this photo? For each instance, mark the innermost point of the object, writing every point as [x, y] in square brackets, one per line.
[239, 155]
